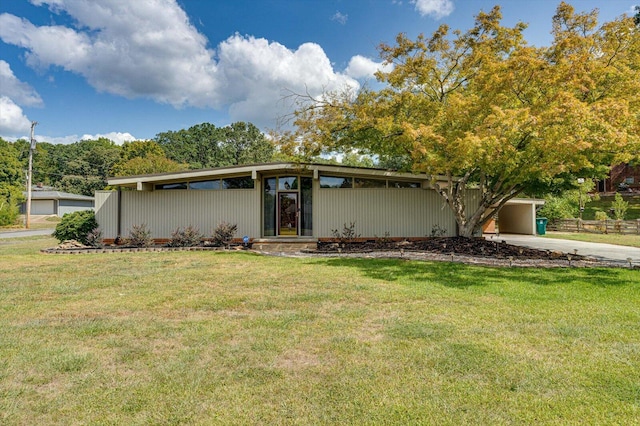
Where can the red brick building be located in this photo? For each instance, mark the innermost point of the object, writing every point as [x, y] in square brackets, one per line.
[627, 173]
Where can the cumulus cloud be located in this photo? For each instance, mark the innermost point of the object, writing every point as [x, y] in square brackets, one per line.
[21, 93]
[13, 94]
[436, 8]
[118, 137]
[12, 118]
[150, 49]
[361, 67]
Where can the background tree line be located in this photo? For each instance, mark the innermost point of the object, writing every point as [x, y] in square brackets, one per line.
[84, 166]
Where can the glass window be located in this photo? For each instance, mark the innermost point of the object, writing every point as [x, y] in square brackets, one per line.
[179, 185]
[269, 201]
[205, 184]
[244, 182]
[369, 183]
[403, 184]
[335, 182]
[286, 183]
[306, 207]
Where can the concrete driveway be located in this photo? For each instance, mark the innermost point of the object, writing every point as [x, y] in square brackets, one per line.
[600, 251]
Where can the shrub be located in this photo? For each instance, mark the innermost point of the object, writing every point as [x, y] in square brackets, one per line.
[94, 238]
[76, 226]
[348, 233]
[600, 215]
[619, 207]
[437, 231]
[187, 237]
[8, 212]
[223, 234]
[139, 236]
[10, 198]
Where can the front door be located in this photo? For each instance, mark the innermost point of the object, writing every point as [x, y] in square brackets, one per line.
[288, 213]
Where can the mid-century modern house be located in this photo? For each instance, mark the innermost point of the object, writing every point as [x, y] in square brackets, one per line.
[287, 201]
[50, 202]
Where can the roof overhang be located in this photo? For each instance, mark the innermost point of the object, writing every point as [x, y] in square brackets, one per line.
[146, 182]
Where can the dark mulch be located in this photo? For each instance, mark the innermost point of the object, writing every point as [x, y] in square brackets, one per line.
[477, 247]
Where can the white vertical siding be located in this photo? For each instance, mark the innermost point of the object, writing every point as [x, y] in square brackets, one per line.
[107, 212]
[406, 212]
[165, 211]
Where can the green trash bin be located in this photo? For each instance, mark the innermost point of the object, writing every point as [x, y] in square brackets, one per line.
[541, 225]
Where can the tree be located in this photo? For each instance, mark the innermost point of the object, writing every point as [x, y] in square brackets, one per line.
[205, 145]
[144, 157]
[152, 163]
[484, 109]
[11, 183]
[619, 207]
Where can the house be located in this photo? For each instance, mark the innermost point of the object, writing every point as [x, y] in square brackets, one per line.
[50, 202]
[625, 175]
[281, 201]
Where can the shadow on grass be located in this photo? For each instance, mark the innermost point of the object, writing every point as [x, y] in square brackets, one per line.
[458, 275]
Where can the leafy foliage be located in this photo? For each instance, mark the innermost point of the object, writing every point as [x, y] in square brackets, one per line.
[224, 233]
[348, 233]
[76, 226]
[139, 236]
[620, 207]
[205, 145]
[484, 108]
[94, 238]
[187, 237]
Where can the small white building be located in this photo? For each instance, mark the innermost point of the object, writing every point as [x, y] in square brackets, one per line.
[56, 202]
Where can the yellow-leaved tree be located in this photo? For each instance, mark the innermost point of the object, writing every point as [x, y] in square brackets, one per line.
[485, 109]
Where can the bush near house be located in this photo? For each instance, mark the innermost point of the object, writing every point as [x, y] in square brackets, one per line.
[76, 226]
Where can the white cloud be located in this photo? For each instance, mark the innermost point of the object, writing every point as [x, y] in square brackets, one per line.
[117, 137]
[150, 49]
[436, 8]
[361, 67]
[340, 18]
[19, 92]
[12, 119]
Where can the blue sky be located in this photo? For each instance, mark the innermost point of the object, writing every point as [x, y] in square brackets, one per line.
[129, 69]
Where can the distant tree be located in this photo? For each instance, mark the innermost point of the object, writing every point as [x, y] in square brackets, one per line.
[485, 109]
[636, 17]
[11, 183]
[152, 163]
[244, 143]
[141, 148]
[205, 145]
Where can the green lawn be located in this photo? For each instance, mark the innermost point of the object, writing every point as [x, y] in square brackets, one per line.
[236, 338]
[619, 239]
[604, 204]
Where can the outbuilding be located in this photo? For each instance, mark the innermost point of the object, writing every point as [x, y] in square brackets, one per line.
[56, 203]
[278, 201]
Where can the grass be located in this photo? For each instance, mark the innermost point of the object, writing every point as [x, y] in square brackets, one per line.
[604, 204]
[237, 338]
[618, 239]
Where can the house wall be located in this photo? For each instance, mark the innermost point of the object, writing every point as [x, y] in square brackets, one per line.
[406, 212]
[164, 211]
[400, 212]
[70, 206]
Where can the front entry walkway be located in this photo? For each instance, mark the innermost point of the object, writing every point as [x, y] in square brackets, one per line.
[600, 251]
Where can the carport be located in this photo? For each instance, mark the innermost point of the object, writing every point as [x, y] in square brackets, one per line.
[517, 216]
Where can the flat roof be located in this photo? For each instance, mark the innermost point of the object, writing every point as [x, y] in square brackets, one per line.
[251, 169]
[57, 195]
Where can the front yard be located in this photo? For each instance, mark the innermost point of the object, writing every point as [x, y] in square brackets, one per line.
[238, 338]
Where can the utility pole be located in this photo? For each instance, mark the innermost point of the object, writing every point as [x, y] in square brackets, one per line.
[32, 148]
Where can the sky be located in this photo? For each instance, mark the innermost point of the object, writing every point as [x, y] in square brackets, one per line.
[130, 69]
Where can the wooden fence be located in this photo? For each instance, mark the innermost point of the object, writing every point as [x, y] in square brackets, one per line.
[609, 226]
